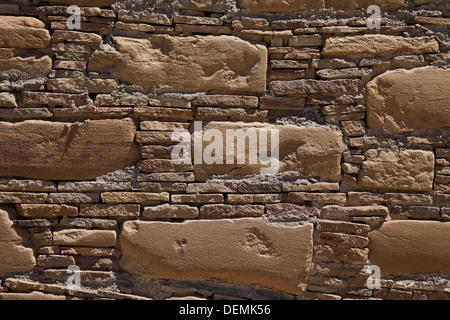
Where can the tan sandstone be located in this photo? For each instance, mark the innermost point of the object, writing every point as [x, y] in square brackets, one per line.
[280, 5]
[199, 63]
[23, 32]
[370, 45]
[14, 256]
[66, 151]
[409, 170]
[312, 151]
[247, 251]
[409, 247]
[409, 100]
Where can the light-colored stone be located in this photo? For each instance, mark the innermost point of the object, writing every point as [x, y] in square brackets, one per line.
[170, 211]
[23, 32]
[370, 45]
[312, 151]
[85, 3]
[203, 5]
[87, 238]
[33, 296]
[409, 247]
[25, 67]
[409, 100]
[247, 251]
[280, 5]
[410, 170]
[213, 63]
[107, 210]
[14, 256]
[7, 100]
[66, 151]
[349, 5]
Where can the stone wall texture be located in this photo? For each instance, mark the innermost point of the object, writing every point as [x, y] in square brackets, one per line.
[92, 118]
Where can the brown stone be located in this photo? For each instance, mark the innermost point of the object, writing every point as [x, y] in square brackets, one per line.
[25, 67]
[247, 251]
[221, 70]
[312, 151]
[203, 5]
[409, 100]
[15, 256]
[87, 238]
[283, 209]
[107, 210]
[33, 296]
[46, 210]
[338, 212]
[370, 45]
[280, 5]
[66, 151]
[134, 197]
[23, 32]
[408, 247]
[411, 170]
[220, 211]
[85, 3]
[309, 86]
[349, 5]
[170, 211]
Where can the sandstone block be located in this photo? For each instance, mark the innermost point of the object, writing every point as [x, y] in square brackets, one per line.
[106, 210]
[280, 5]
[23, 32]
[312, 151]
[349, 5]
[15, 256]
[214, 63]
[370, 45]
[25, 67]
[220, 211]
[338, 212]
[46, 210]
[7, 100]
[409, 247]
[134, 197]
[247, 251]
[409, 100]
[170, 211]
[203, 5]
[85, 3]
[82, 237]
[66, 151]
[309, 86]
[410, 170]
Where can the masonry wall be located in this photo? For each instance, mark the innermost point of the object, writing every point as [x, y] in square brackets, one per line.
[88, 177]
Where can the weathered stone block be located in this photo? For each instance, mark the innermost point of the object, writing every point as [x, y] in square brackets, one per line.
[23, 32]
[247, 251]
[66, 151]
[170, 211]
[409, 100]
[46, 210]
[370, 45]
[410, 170]
[409, 247]
[15, 257]
[107, 210]
[198, 63]
[280, 5]
[312, 151]
[82, 237]
[25, 67]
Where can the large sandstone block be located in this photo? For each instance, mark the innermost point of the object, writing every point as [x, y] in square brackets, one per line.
[25, 67]
[14, 256]
[199, 63]
[247, 251]
[370, 45]
[280, 5]
[66, 151]
[402, 101]
[404, 247]
[409, 170]
[23, 32]
[349, 5]
[312, 151]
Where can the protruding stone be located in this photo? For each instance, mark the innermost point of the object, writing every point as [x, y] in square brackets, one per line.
[66, 151]
[402, 101]
[199, 63]
[410, 170]
[410, 247]
[247, 251]
[23, 32]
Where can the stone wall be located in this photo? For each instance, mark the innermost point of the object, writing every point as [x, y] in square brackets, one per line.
[88, 178]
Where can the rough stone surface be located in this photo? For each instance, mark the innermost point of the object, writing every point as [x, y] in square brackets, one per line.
[163, 61]
[312, 151]
[15, 256]
[376, 44]
[280, 5]
[25, 67]
[410, 170]
[250, 251]
[393, 106]
[409, 247]
[64, 151]
[81, 237]
[23, 32]
[46, 210]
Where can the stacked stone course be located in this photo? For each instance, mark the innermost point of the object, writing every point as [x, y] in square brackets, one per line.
[86, 138]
